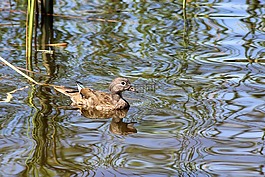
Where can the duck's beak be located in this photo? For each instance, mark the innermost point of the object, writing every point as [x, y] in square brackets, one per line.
[132, 89]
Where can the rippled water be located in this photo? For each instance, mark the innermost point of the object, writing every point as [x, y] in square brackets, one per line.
[204, 114]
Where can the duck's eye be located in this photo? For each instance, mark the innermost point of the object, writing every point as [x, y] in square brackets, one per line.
[123, 83]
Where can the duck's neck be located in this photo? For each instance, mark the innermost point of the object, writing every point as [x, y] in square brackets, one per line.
[116, 96]
[119, 102]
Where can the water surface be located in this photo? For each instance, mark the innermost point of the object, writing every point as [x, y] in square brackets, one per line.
[205, 115]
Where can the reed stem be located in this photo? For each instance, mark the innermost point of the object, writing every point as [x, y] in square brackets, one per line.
[18, 71]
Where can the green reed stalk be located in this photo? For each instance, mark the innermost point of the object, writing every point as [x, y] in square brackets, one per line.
[29, 33]
[184, 4]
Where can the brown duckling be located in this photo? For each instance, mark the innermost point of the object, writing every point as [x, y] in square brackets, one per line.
[88, 98]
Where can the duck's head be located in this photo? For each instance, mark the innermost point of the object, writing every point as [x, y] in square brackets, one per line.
[119, 85]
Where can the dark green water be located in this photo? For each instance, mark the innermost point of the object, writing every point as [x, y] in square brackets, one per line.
[204, 115]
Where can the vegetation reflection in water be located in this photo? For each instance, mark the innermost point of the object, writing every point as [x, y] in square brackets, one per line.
[205, 116]
[90, 100]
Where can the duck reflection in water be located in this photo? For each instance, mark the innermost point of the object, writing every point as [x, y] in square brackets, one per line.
[97, 104]
[117, 126]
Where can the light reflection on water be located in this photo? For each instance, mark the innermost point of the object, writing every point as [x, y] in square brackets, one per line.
[204, 118]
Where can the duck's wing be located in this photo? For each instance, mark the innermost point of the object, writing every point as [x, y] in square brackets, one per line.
[88, 98]
[96, 97]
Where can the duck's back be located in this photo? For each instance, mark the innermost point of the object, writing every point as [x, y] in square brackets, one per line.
[97, 99]
[89, 98]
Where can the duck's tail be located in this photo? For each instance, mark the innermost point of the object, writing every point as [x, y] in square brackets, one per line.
[66, 91]
[79, 86]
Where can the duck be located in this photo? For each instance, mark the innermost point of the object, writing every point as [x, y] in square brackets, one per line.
[101, 101]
